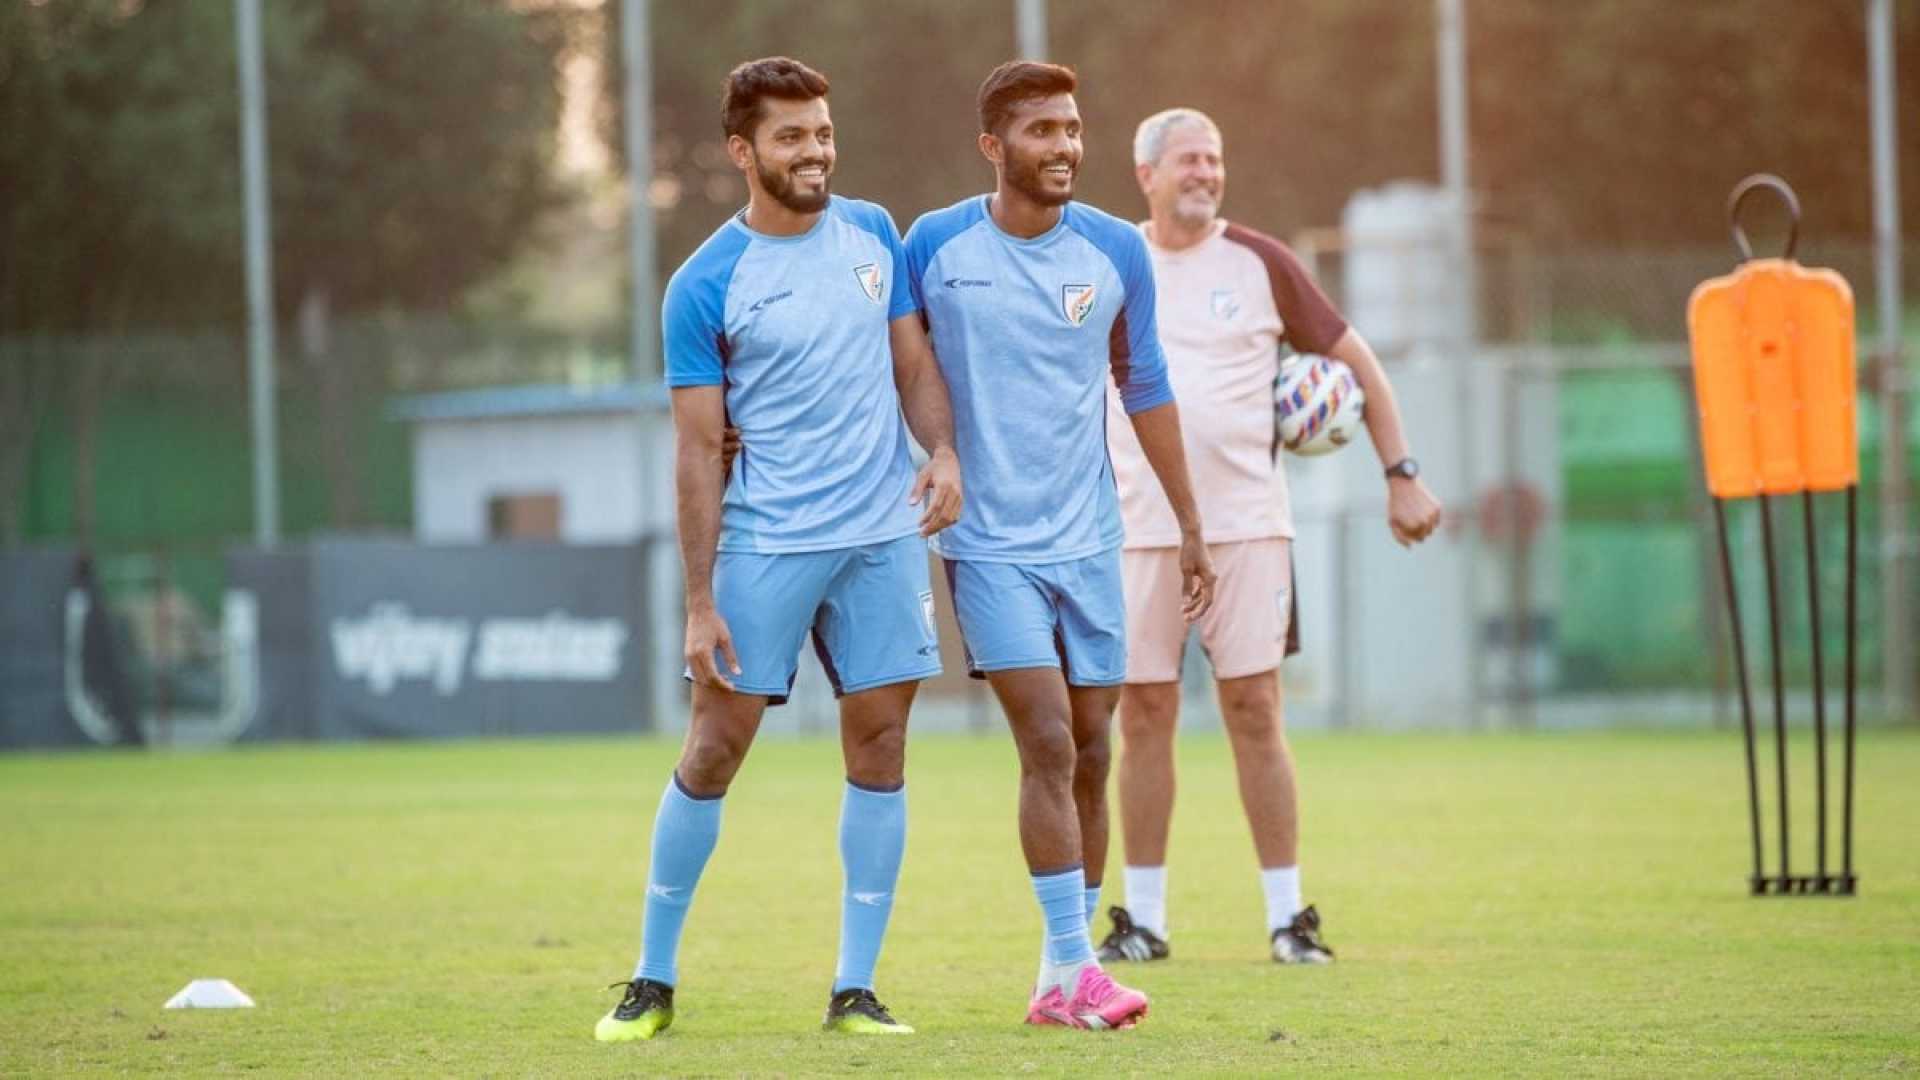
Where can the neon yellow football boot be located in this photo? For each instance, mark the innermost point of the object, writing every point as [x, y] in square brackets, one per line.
[857, 1012]
[645, 1011]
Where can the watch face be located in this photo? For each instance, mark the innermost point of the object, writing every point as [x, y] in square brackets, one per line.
[1408, 468]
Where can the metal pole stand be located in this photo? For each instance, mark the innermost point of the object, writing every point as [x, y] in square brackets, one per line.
[1786, 883]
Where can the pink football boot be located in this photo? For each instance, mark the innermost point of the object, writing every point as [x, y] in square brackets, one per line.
[1098, 1003]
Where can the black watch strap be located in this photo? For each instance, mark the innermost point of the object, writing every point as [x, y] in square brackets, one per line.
[1406, 467]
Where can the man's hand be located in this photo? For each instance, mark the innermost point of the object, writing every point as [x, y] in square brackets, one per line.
[937, 489]
[1412, 511]
[1196, 576]
[729, 449]
[707, 631]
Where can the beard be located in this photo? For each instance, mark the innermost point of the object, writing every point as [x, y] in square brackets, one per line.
[780, 184]
[1196, 208]
[1024, 176]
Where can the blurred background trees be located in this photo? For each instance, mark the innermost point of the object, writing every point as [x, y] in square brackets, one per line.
[449, 202]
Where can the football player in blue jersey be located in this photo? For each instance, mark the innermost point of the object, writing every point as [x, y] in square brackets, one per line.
[795, 324]
[1033, 301]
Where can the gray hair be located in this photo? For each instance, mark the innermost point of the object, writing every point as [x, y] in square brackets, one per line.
[1150, 138]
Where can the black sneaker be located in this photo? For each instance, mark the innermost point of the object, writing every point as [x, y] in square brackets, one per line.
[1299, 941]
[1129, 941]
[857, 1011]
[645, 1011]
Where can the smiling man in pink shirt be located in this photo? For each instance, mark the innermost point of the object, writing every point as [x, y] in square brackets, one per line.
[1228, 298]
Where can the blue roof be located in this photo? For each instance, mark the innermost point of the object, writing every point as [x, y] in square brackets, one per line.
[548, 399]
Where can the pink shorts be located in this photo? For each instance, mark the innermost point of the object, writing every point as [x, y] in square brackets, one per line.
[1249, 629]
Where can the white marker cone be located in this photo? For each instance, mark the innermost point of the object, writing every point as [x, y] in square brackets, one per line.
[210, 994]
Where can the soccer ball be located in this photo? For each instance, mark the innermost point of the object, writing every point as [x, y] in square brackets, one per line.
[1317, 405]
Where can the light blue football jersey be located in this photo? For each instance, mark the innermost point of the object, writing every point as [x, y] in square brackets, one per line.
[1027, 332]
[796, 329]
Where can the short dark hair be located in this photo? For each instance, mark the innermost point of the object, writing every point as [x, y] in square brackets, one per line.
[1018, 81]
[756, 80]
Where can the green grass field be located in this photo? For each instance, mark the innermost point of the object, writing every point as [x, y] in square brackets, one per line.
[1545, 905]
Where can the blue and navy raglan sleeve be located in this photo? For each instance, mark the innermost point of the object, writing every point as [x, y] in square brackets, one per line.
[1139, 364]
[693, 316]
[919, 254]
[874, 219]
[927, 236]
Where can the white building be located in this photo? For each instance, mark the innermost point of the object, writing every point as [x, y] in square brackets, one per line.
[594, 465]
[577, 465]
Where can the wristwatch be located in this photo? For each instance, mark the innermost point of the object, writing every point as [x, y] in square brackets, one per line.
[1406, 468]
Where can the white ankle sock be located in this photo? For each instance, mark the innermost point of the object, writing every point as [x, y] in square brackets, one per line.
[1282, 886]
[1147, 897]
[1064, 976]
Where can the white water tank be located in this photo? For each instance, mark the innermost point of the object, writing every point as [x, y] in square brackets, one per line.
[1408, 274]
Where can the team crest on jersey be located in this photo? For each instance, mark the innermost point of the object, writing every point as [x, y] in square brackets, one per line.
[1225, 304]
[868, 275]
[1076, 303]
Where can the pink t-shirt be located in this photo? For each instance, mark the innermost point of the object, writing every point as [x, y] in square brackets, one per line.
[1224, 307]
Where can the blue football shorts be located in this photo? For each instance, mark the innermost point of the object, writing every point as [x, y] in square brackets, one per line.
[1068, 615]
[869, 610]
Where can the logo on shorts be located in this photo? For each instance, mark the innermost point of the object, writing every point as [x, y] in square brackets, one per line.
[1280, 605]
[1076, 303]
[1225, 304]
[868, 275]
[926, 611]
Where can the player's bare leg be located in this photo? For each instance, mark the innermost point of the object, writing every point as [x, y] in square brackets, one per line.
[873, 734]
[1251, 710]
[1149, 716]
[1093, 758]
[1073, 991]
[1041, 717]
[873, 832]
[718, 737]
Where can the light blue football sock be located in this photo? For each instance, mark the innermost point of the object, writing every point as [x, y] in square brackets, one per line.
[1093, 908]
[873, 837]
[684, 832]
[1063, 896]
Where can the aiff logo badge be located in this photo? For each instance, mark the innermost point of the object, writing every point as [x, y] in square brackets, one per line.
[1076, 303]
[868, 275]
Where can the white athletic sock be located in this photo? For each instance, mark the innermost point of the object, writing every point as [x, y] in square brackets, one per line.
[1064, 976]
[1282, 886]
[1147, 897]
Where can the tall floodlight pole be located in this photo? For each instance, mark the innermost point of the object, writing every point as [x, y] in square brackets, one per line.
[648, 363]
[634, 46]
[1897, 640]
[1030, 29]
[1450, 67]
[259, 236]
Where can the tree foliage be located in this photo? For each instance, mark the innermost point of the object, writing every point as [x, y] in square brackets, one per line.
[1617, 124]
[411, 148]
